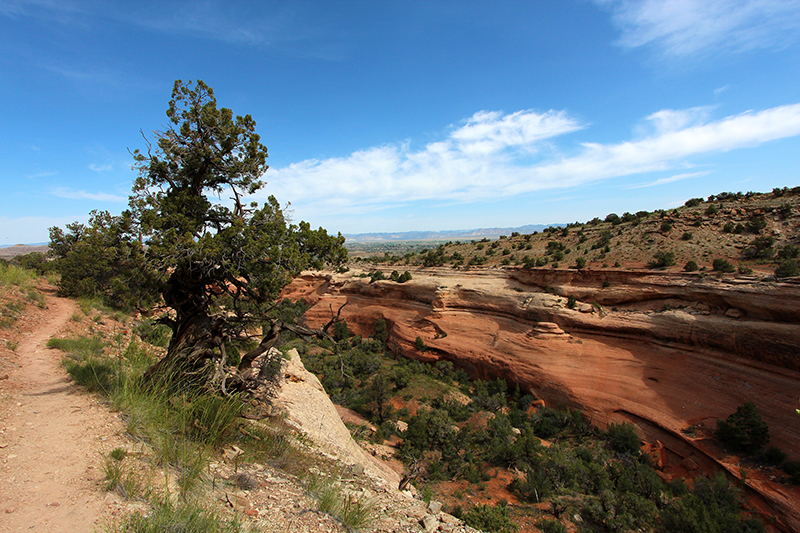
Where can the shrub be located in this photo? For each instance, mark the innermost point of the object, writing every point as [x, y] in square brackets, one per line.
[723, 265]
[693, 202]
[744, 430]
[580, 262]
[788, 269]
[623, 438]
[666, 227]
[552, 526]
[711, 210]
[419, 344]
[571, 302]
[662, 259]
[691, 266]
[729, 227]
[491, 519]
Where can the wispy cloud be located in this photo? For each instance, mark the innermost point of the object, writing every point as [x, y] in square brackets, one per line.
[671, 179]
[63, 192]
[494, 155]
[690, 27]
[101, 168]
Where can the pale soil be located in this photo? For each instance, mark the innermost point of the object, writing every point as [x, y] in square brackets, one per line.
[52, 435]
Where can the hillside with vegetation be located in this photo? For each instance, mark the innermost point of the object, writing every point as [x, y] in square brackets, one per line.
[748, 233]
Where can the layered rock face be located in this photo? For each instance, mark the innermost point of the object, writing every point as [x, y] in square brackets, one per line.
[664, 351]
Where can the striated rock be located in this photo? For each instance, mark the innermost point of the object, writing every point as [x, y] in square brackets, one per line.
[660, 349]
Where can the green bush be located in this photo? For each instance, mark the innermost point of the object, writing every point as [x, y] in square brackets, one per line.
[788, 269]
[744, 430]
[623, 438]
[552, 526]
[662, 259]
[723, 265]
[691, 266]
[491, 519]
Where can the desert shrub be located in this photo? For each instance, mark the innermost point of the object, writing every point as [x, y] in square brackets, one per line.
[711, 210]
[666, 227]
[490, 518]
[793, 469]
[788, 251]
[785, 210]
[773, 456]
[552, 526]
[744, 430]
[761, 247]
[788, 269]
[154, 333]
[744, 270]
[756, 224]
[711, 507]
[580, 262]
[693, 202]
[419, 344]
[571, 302]
[613, 218]
[623, 438]
[687, 236]
[690, 266]
[729, 227]
[662, 259]
[723, 265]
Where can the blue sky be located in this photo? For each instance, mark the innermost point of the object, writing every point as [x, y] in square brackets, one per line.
[409, 115]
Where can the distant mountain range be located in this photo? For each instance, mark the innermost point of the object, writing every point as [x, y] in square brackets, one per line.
[463, 235]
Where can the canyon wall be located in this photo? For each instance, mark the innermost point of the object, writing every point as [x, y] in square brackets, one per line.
[671, 353]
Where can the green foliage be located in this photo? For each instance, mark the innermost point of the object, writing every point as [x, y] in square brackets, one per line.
[712, 210]
[711, 507]
[178, 244]
[666, 227]
[168, 516]
[580, 262]
[691, 266]
[722, 265]
[693, 202]
[623, 438]
[744, 430]
[419, 344]
[761, 248]
[571, 302]
[102, 259]
[788, 269]
[552, 526]
[687, 236]
[662, 259]
[35, 261]
[490, 518]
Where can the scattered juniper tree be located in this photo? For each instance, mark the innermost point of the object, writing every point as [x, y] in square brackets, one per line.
[216, 262]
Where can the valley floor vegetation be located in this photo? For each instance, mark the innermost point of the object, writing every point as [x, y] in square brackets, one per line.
[459, 432]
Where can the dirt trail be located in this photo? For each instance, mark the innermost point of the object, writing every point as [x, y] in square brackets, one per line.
[52, 436]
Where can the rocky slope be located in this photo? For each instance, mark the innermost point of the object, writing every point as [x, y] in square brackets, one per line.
[670, 352]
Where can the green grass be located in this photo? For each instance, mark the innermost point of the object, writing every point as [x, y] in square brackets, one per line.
[13, 275]
[165, 516]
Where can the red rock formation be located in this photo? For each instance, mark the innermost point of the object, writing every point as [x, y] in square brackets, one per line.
[660, 350]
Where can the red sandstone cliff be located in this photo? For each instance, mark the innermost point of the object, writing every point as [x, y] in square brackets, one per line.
[664, 351]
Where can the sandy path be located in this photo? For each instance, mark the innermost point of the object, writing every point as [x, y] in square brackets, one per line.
[52, 436]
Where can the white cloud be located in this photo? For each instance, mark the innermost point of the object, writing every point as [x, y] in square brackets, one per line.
[492, 155]
[691, 27]
[101, 168]
[671, 179]
[63, 192]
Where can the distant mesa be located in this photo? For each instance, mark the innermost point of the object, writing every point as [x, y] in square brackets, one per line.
[462, 234]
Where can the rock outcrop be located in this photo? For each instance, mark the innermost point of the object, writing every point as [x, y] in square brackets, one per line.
[664, 351]
[303, 401]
